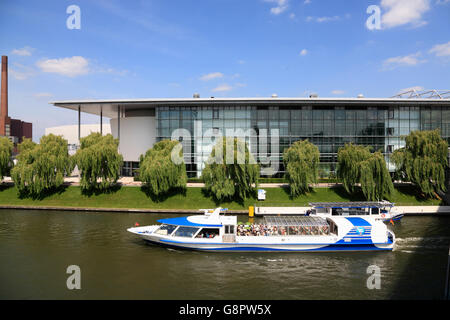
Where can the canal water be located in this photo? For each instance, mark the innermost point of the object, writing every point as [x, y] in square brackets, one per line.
[36, 248]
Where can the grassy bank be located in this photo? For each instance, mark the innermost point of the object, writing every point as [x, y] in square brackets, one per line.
[194, 198]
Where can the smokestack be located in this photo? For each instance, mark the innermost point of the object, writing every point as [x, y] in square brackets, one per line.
[4, 119]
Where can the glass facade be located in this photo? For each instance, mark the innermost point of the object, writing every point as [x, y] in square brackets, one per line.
[329, 127]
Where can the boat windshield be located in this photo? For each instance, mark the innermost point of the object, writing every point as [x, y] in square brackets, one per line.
[165, 229]
[187, 232]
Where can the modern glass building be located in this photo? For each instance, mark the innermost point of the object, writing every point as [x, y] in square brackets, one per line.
[268, 125]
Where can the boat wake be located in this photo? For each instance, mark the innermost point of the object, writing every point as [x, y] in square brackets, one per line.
[411, 244]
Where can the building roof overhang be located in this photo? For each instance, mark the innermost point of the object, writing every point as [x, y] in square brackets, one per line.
[110, 107]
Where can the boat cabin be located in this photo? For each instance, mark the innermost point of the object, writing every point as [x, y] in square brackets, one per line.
[208, 226]
[350, 208]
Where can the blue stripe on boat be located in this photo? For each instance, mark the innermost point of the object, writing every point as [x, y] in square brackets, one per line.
[359, 222]
[331, 247]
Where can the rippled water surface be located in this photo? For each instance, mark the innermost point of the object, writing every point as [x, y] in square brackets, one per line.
[36, 247]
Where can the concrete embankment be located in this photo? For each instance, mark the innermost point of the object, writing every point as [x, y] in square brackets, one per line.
[129, 210]
[408, 210]
[424, 210]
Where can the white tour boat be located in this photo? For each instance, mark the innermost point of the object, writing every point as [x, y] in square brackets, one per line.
[215, 232]
[383, 210]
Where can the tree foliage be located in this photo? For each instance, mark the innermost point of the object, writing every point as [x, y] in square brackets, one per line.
[423, 161]
[231, 174]
[41, 167]
[99, 161]
[6, 148]
[358, 166]
[301, 161]
[158, 172]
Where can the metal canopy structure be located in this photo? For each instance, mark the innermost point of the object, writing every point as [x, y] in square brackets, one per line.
[337, 205]
[423, 94]
[295, 221]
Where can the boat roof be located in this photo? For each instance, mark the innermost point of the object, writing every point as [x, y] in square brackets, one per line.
[362, 204]
[185, 222]
[295, 221]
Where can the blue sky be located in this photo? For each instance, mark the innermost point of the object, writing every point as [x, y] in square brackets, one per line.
[221, 48]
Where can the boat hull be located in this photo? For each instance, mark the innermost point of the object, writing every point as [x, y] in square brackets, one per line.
[248, 247]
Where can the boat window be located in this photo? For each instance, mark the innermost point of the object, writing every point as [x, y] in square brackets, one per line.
[332, 227]
[165, 229]
[187, 232]
[208, 233]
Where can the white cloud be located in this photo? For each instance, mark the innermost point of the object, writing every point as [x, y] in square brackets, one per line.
[326, 19]
[307, 2]
[222, 88]
[70, 67]
[111, 71]
[304, 52]
[25, 51]
[20, 72]
[43, 95]
[18, 75]
[281, 6]
[211, 76]
[402, 61]
[402, 12]
[337, 92]
[441, 50]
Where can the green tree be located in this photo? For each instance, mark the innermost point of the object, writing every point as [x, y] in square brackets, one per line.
[231, 174]
[301, 161]
[161, 173]
[358, 166]
[6, 148]
[41, 167]
[423, 161]
[99, 161]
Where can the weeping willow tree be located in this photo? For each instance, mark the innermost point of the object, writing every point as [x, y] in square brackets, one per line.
[158, 170]
[41, 167]
[423, 161]
[231, 170]
[357, 166]
[6, 148]
[99, 161]
[301, 161]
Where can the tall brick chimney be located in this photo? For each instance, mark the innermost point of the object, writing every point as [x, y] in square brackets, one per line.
[4, 119]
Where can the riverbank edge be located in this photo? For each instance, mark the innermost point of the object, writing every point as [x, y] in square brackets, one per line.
[408, 210]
